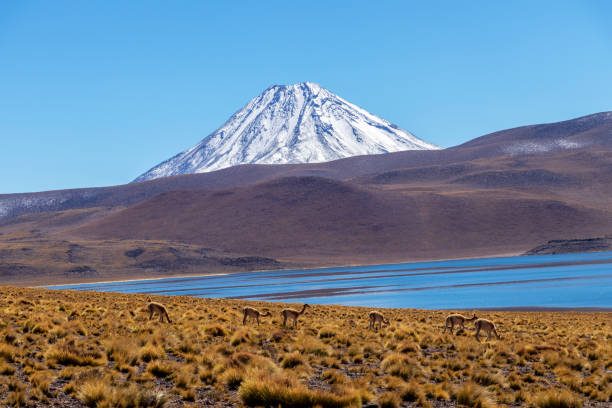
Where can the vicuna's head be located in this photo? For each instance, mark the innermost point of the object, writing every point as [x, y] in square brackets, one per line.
[386, 321]
[149, 299]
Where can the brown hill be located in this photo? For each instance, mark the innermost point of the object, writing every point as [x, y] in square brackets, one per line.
[321, 221]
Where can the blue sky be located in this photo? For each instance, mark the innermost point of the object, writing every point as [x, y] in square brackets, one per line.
[95, 93]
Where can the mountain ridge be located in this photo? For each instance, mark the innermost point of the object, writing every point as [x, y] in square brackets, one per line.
[594, 141]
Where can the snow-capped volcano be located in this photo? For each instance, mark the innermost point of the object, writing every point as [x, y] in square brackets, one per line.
[302, 123]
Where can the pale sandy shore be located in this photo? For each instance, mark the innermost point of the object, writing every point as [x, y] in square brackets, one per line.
[132, 280]
[314, 267]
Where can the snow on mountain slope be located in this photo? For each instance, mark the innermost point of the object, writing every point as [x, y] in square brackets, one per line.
[302, 123]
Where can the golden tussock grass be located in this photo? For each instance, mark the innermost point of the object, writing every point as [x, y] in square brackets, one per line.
[100, 350]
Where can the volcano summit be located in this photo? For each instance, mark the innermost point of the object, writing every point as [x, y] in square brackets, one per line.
[302, 123]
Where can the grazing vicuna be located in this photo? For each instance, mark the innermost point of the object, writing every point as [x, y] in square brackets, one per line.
[158, 308]
[253, 314]
[458, 320]
[486, 325]
[376, 317]
[293, 314]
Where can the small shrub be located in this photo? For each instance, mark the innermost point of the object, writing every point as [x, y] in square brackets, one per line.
[326, 333]
[486, 379]
[314, 346]
[411, 393]
[334, 377]
[215, 331]
[292, 360]
[188, 395]
[159, 369]
[150, 352]
[471, 395]
[8, 353]
[285, 391]
[389, 400]
[42, 380]
[6, 369]
[92, 393]
[401, 366]
[232, 378]
[207, 376]
[68, 353]
[241, 336]
[17, 399]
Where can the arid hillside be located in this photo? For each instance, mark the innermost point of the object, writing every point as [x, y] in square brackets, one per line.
[80, 349]
[307, 219]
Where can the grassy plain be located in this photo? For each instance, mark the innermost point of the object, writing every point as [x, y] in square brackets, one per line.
[74, 349]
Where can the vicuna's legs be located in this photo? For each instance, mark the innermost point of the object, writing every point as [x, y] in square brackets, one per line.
[492, 330]
[446, 326]
[372, 322]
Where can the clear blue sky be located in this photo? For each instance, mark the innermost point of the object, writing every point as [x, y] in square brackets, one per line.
[94, 93]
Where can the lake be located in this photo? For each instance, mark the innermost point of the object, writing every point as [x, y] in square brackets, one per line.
[569, 280]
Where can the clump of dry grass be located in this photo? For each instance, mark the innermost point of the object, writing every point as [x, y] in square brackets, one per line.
[293, 360]
[70, 353]
[471, 395]
[160, 369]
[150, 352]
[389, 400]
[8, 353]
[402, 366]
[100, 394]
[284, 390]
[241, 336]
[94, 392]
[556, 399]
[232, 378]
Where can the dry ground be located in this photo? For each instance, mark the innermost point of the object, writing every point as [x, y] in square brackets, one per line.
[78, 349]
[31, 258]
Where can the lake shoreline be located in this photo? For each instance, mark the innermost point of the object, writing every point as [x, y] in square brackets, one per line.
[138, 278]
[563, 283]
[544, 309]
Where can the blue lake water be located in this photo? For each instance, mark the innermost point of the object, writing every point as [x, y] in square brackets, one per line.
[569, 280]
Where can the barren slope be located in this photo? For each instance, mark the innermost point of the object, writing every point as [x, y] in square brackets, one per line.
[317, 220]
